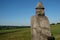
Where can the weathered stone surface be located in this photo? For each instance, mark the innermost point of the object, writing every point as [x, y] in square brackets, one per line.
[40, 27]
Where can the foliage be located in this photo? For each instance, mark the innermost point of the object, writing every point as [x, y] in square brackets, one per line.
[12, 27]
[58, 23]
[53, 24]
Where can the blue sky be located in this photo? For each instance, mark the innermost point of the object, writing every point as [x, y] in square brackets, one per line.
[18, 12]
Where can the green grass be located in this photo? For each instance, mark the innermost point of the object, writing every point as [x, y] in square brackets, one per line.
[25, 34]
[9, 30]
[55, 30]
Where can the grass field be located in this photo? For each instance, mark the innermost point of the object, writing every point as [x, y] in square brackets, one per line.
[55, 30]
[25, 34]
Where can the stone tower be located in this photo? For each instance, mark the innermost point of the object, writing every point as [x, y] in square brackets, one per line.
[40, 27]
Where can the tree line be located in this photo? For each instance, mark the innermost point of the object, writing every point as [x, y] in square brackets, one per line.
[12, 27]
